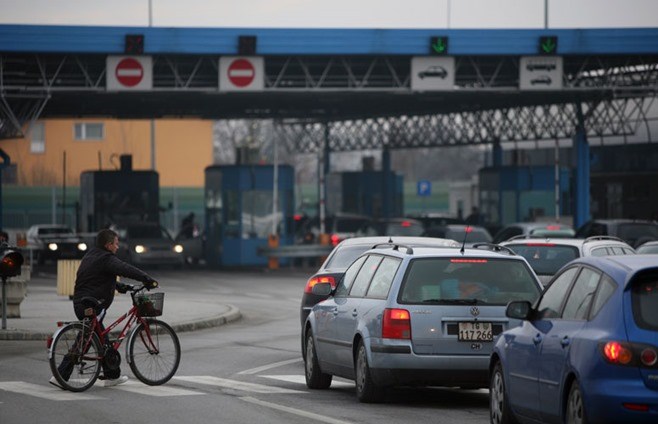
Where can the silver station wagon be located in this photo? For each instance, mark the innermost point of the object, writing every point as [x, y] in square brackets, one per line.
[421, 316]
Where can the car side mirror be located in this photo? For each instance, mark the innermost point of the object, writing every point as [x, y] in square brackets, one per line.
[519, 309]
[322, 289]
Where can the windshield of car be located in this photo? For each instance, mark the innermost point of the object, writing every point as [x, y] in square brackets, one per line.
[644, 296]
[547, 232]
[647, 249]
[55, 231]
[147, 232]
[545, 259]
[349, 225]
[344, 256]
[462, 280]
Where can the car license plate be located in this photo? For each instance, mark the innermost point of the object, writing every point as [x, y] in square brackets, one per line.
[475, 332]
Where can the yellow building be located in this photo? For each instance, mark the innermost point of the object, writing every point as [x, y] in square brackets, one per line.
[57, 147]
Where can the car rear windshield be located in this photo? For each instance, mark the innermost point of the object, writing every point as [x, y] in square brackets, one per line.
[545, 259]
[547, 232]
[637, 231]
[350, 225]
[343, 257]
[147, 232]
[467, 280]
[474, 236]
[404, 228]
[644, 295]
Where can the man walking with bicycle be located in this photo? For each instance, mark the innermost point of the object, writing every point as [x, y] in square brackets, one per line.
[97, 278]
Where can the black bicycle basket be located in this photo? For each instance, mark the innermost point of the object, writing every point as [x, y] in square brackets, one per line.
[149, 304]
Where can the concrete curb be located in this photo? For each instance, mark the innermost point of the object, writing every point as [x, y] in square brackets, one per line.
[233, 314]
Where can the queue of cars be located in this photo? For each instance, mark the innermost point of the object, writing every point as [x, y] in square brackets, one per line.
[582, 346]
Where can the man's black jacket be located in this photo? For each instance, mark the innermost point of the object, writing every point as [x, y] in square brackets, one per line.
[97, 276]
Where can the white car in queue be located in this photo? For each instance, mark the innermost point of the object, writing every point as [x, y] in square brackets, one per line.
[423, 316]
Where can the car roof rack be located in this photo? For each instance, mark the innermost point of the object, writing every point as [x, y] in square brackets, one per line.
[394, 246]
[611, 238]
[494, 248]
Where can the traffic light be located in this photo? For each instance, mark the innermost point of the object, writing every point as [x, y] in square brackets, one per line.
[247, 45]
[438, 46]
[11, 262]
[134, 44]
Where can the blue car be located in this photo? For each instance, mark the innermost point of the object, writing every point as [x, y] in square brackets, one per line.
[587, 350]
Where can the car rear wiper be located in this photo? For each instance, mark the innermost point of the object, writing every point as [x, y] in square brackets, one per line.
[467, 301]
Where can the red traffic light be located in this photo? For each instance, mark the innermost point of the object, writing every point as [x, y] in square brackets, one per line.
[10, 264]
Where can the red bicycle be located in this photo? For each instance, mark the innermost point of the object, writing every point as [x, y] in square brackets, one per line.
[77, 352]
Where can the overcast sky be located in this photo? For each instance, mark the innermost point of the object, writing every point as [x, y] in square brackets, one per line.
[335, 13]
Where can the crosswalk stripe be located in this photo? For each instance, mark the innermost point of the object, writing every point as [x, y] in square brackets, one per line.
[233, 384]
[268, 366]
[299, 412]
[300, 379]
[140, 388]
[47, 392]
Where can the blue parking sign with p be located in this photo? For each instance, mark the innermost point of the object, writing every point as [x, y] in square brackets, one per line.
[424, 188]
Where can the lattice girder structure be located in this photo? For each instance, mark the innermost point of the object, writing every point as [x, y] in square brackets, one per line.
[367, 89]
[613, 117]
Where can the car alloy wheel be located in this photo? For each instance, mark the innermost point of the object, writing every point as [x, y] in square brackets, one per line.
[315, 379]
[499, 410]
[575, 407]
[366, 390]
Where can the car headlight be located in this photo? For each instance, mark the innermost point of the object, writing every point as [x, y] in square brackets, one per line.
[52, 246]
[140, 249]
[82, 246]
[178, 248]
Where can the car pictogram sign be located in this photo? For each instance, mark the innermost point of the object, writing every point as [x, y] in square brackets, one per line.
[241, 73]
[129, 73]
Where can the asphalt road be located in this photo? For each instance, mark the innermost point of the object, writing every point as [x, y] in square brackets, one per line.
[249, 371]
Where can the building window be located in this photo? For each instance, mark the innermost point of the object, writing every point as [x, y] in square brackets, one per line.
[38, 138]
[89, 131]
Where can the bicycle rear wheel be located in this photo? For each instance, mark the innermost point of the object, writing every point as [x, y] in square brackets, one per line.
[74, 368]
[153, 352]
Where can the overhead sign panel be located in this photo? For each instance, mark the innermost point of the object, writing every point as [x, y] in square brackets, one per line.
[132, 73]
[241, 73]
[432, 73]
[540, 73]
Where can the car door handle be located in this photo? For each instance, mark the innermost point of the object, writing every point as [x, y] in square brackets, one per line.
[566, 341]
[335, 311]
[354, 313]
[537, 339]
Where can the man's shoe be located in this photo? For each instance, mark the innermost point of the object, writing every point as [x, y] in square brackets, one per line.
[55, 383]
[116, 381]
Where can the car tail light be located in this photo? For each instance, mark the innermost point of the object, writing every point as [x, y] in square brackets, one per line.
[553, 227]
[297, 217]
[334, 239]
[649, 357]
[617, 353]
[630, 354]
[636, 406]
[321, 279]
[396, 324]
[406, 224]
[468, 261]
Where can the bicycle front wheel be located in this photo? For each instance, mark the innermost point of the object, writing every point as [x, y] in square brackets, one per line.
[153, 352]
[75, 357]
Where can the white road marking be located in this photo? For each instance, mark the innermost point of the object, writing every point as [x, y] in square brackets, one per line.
[142, 389]
[270, 366]
[45, 392]
[294, 411]
[236, 385]
[300, 379]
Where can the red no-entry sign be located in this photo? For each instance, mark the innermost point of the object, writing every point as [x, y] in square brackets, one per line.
[129, 72]
[241, 72]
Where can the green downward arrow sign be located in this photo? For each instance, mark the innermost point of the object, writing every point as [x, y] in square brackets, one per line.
[439, 45]
[547, 45]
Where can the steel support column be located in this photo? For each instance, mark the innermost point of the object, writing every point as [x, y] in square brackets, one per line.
[386, 169]
[581, 212]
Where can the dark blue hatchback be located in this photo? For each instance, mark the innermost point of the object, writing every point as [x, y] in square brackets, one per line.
[587, 351]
